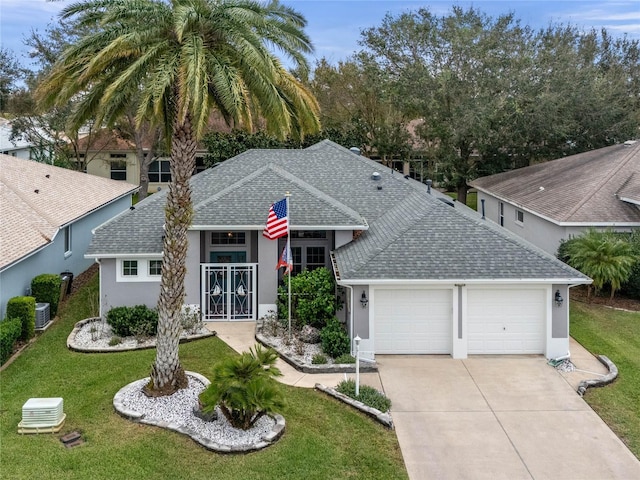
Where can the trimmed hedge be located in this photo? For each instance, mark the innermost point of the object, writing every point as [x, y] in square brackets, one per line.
[10, 330]
[24, 309]
[367, 395]
[127, 321]
[46, 289]
[334, 338]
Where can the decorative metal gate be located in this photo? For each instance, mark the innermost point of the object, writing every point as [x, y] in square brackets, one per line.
[228, 291]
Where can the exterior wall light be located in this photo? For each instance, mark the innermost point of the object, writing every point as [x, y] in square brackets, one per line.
[558, 299]
[364, 301]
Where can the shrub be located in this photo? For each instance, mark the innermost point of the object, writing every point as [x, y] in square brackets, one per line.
[313, 298]
[368, 395]
[631, 287]
[319, 359]
[113, 341]
[335, 341]
[24, 309]
[244, 387]
[10, 330]
[46, 289]
[127, 321]
[346, 358]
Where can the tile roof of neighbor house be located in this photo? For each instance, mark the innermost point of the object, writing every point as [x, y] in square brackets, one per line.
[37, 199]
[406, 233]
[598, 187]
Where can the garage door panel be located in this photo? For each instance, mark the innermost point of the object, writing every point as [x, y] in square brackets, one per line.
[412, 321]
[506, 321]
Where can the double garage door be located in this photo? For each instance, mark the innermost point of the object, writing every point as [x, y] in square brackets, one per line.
[420, 321]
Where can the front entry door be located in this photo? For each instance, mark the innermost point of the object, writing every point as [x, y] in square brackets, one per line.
[228, 286]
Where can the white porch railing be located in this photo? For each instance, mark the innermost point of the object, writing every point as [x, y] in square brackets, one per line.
[228, 291]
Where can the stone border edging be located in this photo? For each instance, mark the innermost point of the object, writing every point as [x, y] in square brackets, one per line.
[383, 418]
[276, 432]
[334, 368]
[71, 339]
[600, 382]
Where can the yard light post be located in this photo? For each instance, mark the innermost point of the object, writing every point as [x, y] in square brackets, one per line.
[357, 340]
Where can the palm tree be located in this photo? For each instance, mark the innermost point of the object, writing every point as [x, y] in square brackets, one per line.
[183, 59]
[244, 387]
[603, 257]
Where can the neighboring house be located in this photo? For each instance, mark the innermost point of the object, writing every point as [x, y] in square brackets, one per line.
[20, 147]
[557, 200]
[110, 156]
[47, 214]
[420, 276]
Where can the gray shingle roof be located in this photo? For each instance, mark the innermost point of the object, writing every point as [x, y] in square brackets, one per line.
[411, 235]
[583, 188]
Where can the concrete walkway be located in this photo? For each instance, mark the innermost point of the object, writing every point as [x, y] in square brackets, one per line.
[241, 337]
[486, 417]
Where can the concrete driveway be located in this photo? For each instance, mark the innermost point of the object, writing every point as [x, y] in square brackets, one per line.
[497, 417]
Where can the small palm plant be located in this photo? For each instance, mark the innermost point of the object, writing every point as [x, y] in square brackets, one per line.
[245, 388]
[602, 256]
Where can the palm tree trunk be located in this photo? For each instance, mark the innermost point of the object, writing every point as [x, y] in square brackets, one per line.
[167, 375]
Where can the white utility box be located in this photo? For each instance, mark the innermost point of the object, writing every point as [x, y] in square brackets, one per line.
[42, 415]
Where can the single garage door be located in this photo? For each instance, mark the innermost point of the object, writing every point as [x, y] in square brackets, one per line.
[506, 321]
[412, 321]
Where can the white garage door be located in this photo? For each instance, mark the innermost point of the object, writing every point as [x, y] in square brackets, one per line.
[412, 321]
[506, 321]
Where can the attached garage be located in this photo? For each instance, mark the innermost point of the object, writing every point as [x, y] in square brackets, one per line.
[506, 321]
[413, 321]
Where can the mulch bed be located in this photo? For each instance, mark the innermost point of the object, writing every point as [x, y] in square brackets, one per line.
[579, 294]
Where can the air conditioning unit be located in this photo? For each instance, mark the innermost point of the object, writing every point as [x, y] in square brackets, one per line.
[42, 415]
[42, 315]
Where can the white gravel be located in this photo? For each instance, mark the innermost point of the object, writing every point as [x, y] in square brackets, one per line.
[98, 334]
[178, 410]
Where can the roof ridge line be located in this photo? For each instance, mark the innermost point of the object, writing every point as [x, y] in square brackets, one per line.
[231, 187]
[319, 194]
[604, 181]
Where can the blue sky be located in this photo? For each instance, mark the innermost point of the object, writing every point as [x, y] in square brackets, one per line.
[335, 26]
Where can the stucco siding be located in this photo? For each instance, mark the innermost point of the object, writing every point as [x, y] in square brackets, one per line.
[124, 294]
[15, 280]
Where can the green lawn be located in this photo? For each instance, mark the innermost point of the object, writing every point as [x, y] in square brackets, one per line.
[323, 438]
[472, 199]
[616, 334]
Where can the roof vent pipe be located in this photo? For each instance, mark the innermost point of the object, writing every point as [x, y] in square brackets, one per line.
[482, 203]
[429, 182]
[355, 150]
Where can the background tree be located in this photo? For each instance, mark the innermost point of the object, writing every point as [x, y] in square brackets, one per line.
[11, 73]
[183, 59]
[494, 95]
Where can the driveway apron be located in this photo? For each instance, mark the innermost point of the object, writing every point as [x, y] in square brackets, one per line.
[497, 417]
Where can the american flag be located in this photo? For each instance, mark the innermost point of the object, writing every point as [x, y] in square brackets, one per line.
[277, 221]
[286, 260]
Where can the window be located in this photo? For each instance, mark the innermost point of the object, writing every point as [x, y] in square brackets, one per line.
[155, 267]
[160, 171]
[119, 170]
[129, 268]
[228, 238]
[67, 240]
[200, 165]
[519, 216]
[308, 257]
[309, 234]
[501, 213]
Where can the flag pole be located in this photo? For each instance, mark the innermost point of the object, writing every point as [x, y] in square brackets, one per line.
[289, 253]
